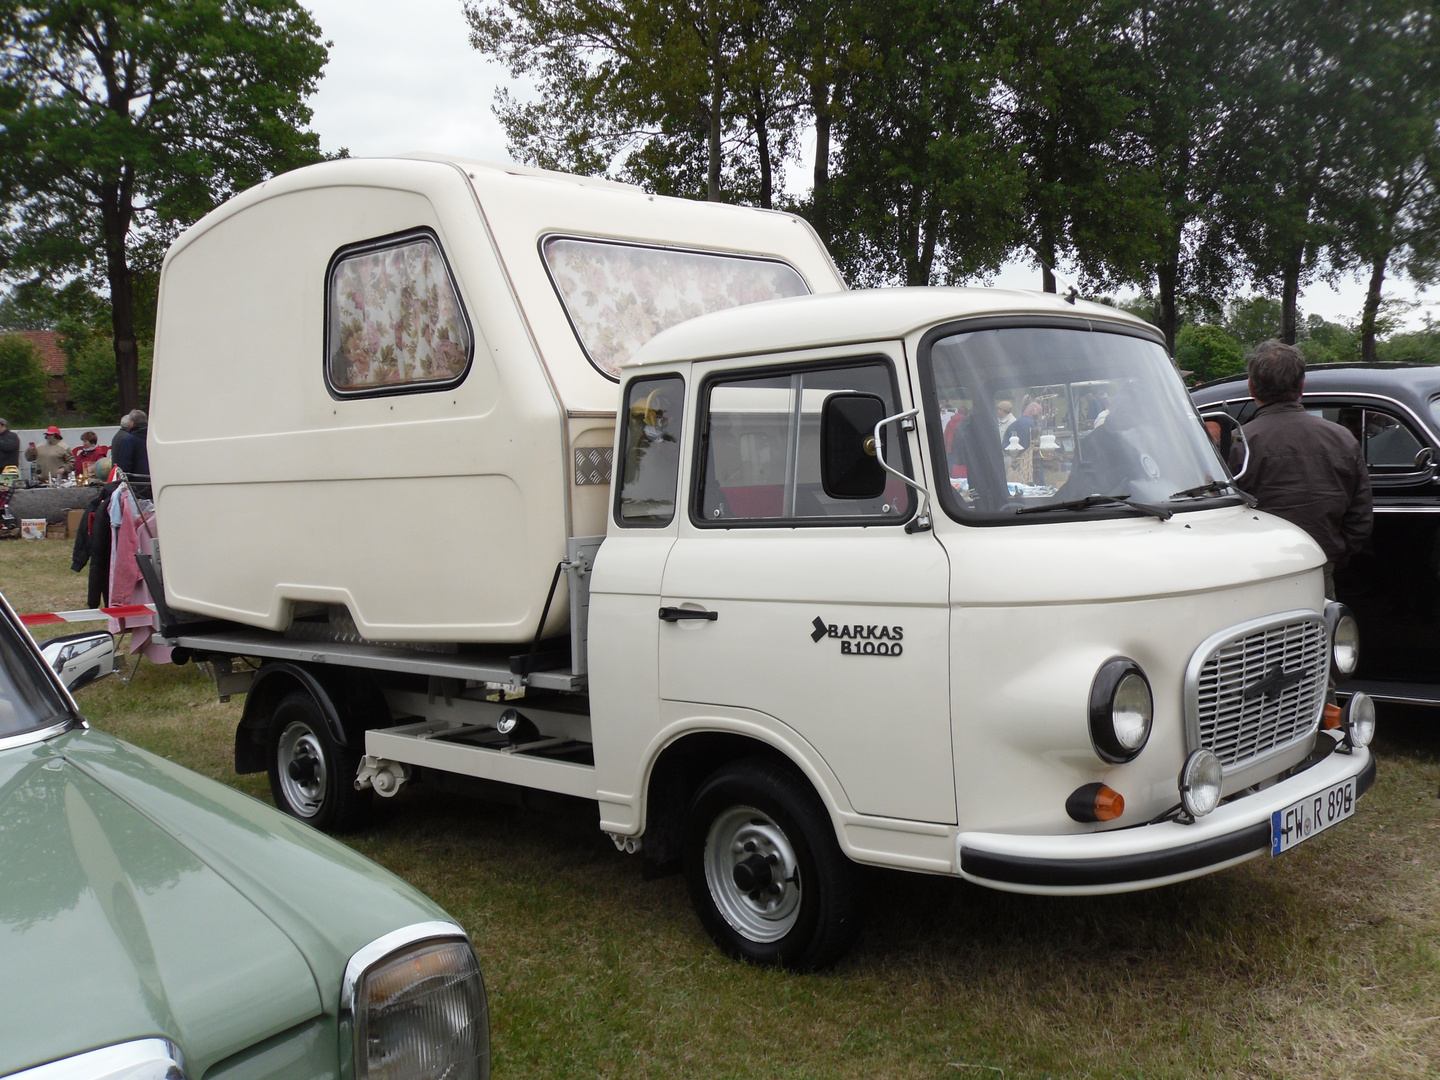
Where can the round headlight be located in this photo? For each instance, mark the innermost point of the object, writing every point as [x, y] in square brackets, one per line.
[1345, 647]
[1358, 719]
[1121, 710]
[1200, 782]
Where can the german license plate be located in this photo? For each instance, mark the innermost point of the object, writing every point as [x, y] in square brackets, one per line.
[1313, 814]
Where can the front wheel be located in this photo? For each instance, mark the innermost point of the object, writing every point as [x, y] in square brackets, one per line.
[765, 872]
[312, 777]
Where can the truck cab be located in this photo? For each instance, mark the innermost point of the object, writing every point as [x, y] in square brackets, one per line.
[953, 581]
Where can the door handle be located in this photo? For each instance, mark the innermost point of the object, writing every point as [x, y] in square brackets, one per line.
[677, 614]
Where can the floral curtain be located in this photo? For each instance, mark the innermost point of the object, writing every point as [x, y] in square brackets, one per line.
[395, 319]
[620, 296]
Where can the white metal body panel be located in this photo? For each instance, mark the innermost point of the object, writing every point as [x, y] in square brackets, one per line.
[431, 516]
[1032, 611]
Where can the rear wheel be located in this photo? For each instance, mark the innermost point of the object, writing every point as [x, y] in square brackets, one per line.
[312, 777]
[765, 872]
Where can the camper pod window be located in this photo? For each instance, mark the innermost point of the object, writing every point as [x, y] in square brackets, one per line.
[394, 320]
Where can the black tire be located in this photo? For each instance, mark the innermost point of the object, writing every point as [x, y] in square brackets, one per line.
[312, 777]
[806, 907]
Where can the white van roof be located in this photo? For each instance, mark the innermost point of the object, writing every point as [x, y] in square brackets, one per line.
[808, 322]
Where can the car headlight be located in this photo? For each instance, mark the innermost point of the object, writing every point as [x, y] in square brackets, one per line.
[1344, 639]
[415, 1003]
[1200, 781]
[1121, 710]
[1358, 719]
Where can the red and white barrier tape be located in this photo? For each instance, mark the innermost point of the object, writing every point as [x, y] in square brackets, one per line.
[125, 611]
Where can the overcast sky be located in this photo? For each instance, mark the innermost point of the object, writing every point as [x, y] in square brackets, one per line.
[403, 77]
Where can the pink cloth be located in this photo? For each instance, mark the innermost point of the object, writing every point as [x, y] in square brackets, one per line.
[130, 537]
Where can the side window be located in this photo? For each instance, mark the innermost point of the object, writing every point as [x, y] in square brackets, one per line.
[760, 452]
[393, 319]
[654, 414]
[1388, 443]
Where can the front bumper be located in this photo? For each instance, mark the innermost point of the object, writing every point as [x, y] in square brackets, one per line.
[1145, 856]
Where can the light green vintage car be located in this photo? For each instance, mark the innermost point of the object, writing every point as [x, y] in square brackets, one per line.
[156, 925]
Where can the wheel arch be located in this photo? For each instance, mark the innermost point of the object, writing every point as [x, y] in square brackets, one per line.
[682, 760]
[348, 698]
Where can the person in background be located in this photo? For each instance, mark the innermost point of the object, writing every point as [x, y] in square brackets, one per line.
[53, 460]
[119, 436]
[1028, 426]
[1004, 416]
[1302, 467]
[9, 446]
[88, 454]
[133, 457]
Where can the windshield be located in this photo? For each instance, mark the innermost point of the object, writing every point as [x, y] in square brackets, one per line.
[1031, 418]
[28, 699]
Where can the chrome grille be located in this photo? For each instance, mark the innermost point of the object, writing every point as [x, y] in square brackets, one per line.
[1261, 690]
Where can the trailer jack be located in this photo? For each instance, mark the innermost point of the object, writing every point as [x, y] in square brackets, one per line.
[384, 776]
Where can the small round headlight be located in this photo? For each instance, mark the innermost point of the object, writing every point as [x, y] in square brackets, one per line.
[1121, 710]
[1200, 782]
[1358, 719]
[1346, 645]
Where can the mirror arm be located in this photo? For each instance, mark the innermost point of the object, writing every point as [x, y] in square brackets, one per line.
[921, 521]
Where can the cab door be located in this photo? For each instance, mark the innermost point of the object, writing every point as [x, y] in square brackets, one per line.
[820, 612]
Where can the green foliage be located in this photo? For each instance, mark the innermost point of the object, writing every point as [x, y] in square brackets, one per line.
[1419, 347]
[1328, 343]
[94, 384]
[124, 121]
[37, 304]
[1254, 320]
[22, 382]
[1208, 352]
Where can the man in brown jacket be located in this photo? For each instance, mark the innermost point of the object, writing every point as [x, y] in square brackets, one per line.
[1303, 468]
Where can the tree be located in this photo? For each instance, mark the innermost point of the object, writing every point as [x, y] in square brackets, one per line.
[22, 381]
[926, 188]
[37, 304]
[128, 119]
[1390, 173]
[90, 371]
[672, 91]
[1208, 352]
[1068, 87]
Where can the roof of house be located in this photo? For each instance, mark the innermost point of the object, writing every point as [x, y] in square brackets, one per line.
[47, 344]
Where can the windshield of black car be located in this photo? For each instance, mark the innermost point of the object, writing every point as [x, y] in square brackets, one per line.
[1034, 416]
[28, 699]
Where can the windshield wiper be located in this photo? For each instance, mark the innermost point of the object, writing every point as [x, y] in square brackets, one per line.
[1100, 500]
[1214, 487]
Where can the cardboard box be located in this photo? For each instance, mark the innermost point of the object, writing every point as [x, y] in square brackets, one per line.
[55, 532]
[32, 528]
[72, 523]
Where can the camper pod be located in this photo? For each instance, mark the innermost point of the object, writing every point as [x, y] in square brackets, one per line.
[385, 390]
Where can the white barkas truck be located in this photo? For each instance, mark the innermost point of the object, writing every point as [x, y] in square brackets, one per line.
[944, 580]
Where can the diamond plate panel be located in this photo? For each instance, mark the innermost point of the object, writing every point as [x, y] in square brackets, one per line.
[593, 465]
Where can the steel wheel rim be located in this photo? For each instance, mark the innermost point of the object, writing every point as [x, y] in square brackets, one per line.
[763, 915]
[298, 743]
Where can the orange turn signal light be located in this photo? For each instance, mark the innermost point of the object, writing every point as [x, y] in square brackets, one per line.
[1331, 720]
[1095, 802]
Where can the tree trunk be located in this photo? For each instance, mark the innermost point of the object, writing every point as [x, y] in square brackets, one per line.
[761, 122]
[115, 217]
[1047, 255]
[1372, 308]
[820, 106]
[1290, 297]
[717, 104]
[1167, 275]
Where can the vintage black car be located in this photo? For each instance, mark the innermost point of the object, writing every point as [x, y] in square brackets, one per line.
[1393, 587]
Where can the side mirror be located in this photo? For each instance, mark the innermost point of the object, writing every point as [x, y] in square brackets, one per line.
[80, 659]
[849, 459]
[1224, 432]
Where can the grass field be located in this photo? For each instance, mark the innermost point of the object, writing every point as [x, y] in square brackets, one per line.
[1324, 963]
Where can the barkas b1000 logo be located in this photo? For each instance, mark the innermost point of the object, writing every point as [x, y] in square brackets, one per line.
[870, 640]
